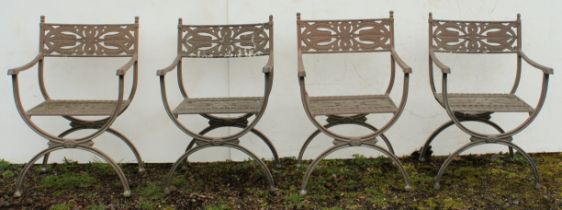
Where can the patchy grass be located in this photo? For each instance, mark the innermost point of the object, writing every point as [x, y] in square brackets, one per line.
[68, 181]
[471, 182]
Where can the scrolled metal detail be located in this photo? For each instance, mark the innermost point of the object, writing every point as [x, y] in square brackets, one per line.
[345, 36]
[225, 41]
[89, 40]
[474, 37]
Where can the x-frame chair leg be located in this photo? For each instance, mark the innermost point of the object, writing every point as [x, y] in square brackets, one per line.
[329, 125]
[423, 153]
[481, 142]
[202, 146]
[116, 133]
[55, 147]
[336, 147]
[255, 131]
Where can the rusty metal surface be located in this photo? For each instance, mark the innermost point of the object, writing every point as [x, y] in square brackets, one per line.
[485, 102]
[474, 37]
[230, 105]
[360, 104]
[66, 40]
[75, 108]
[337, 36]
[223, 41]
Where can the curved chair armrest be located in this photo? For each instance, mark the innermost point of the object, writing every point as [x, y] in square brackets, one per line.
[444, 68]
[169, 68]
[544, 69]
[121, 71]
[405, 68]
[17, 70]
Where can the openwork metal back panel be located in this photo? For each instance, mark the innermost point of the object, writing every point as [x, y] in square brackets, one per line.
[225, 40]
[474, 37]
[333, 36]
[64, 40]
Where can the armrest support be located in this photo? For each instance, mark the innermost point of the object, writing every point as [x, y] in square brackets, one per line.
[405, 68]
[268, 68]
[121, 71]
[301, 72]
[17, 70]
[544, 69]
[170, 67]
[444, 68]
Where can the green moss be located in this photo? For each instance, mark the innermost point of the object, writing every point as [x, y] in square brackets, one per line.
[4, 165]
[61, 206]
[217, 207]
[97, 207]
[147, 205]
[152, 191]
[8, 174]
[68, 181]
[103, 168]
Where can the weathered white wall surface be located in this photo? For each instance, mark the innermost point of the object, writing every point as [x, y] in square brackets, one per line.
[285, 122]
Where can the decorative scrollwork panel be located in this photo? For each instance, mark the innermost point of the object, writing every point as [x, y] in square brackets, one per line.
[474, 37]
[225, 41]
[345, 36]
[89, 40]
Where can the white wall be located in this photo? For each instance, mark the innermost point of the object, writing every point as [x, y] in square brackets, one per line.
[285, 122]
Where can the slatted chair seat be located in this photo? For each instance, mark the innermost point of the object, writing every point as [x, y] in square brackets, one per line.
[489, 102]
[76, 108]
[229, 105]
[358, 104]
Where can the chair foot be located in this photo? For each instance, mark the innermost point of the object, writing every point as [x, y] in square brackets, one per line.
[44, 169]
[278, 165]
[127, 193]
[538, 186]
[302, 192]
[272, 189]
[17, 194]
[436, 186]
[142, 170]
[167, 190]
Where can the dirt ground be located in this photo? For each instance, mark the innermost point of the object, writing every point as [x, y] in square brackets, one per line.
[471, 182]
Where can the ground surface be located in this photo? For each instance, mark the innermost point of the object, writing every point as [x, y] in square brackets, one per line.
[471, 182]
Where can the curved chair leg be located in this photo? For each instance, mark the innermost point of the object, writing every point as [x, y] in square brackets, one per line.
[305, 145]
[425, 148]
[314, 163]
[63, 134]
[110, 130]
[269, 144]
[317, 131]
[253, 130]
[234, 146]
[122, 177]
[131, 146]
[500, 129]
[476, 143]
[382, 136]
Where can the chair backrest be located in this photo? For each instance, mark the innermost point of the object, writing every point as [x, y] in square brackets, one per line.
[225, 41]
[88, 40]
[343, 36]
[474, 36]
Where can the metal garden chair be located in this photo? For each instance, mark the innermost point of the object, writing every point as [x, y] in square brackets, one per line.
[80, 40]
[480, 37]
[350, 36]
[221, 41]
